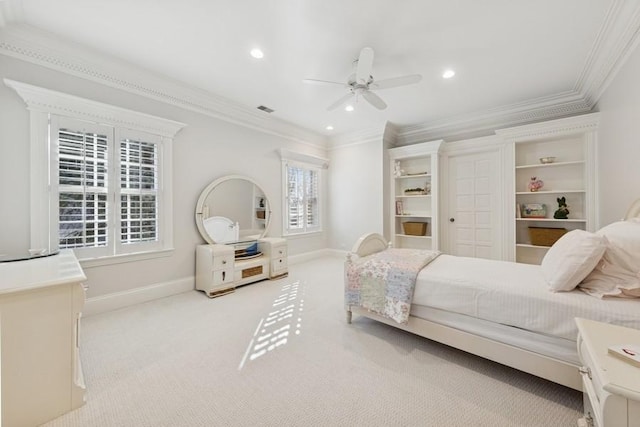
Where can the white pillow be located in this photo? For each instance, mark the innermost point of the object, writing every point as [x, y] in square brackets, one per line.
[618, 273]
[571, 259]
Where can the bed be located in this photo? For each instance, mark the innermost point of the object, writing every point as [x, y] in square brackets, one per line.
[505, 311]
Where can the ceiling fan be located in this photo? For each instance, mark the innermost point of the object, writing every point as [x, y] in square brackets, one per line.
[361, 82]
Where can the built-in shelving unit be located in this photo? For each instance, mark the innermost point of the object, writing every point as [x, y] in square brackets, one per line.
[571, 174]
[414, 167]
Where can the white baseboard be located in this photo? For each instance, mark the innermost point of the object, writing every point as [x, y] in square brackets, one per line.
[310, 256]
[116, 300]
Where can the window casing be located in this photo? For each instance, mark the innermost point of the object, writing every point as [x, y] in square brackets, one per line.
[302, 201]
[100, 178]
[106, 188]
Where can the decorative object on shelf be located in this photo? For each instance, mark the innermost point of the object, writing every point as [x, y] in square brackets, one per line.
[415, 191]
[518, 210]
[543, 236]
[397, 171]
[415, 228]
[562, 212]
[547, 160]
[535, 184]
[261, 203]
[534, 210]
[399, 208]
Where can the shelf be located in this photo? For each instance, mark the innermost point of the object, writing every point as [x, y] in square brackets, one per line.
[412, 197]
[551, 165]
[413, 216]
[410, 236]
[421, 175]
[523, 193]
[552, 219]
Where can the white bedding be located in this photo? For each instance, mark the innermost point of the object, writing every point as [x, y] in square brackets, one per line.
[515, 295]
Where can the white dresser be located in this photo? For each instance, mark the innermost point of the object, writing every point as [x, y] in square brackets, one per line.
[219, 273]
[611, 386]
[40, 306]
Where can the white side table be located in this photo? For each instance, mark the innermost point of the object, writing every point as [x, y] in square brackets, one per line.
[611, 386]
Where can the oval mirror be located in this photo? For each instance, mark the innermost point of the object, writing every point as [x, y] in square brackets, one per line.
[232, 209]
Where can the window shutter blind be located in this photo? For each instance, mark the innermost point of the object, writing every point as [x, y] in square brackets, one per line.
[138, 191]
[302, 204]
[311, 197]
[295, 197]
[83, 180]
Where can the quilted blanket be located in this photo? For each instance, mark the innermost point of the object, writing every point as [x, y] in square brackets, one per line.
[383, 282]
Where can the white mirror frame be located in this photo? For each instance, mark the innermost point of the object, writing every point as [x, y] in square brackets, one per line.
[207, 191]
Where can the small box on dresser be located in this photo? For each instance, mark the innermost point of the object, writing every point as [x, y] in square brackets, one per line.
[611, 386]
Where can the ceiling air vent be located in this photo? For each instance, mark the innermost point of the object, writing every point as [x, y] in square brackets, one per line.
[265, 109]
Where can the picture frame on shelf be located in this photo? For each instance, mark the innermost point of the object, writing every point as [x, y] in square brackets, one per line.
[399, 207]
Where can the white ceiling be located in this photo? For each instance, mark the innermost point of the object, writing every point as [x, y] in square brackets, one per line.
[509, 55]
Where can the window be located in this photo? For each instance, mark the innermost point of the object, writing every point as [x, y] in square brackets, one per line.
[302, 204]
[107, 198]
[100, 178]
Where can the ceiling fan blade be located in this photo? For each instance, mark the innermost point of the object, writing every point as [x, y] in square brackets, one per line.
[396, 81]
[365, 63]
[374, 100]
[323, 82]
[339, 102]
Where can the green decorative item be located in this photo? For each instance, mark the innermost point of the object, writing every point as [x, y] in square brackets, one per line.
[563, 211]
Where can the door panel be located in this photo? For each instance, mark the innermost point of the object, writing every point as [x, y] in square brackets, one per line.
[473, 205]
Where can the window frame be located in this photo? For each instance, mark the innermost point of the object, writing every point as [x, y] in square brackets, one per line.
[305, 162]
[42, 103]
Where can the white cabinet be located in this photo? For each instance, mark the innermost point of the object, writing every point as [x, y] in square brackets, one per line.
[572, 175]
[218, 272]
[214, 269]
[41, 301]
[414, 195]
[275, 249]
[611, 386]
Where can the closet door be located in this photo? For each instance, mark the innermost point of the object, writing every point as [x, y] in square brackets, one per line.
[473, 217]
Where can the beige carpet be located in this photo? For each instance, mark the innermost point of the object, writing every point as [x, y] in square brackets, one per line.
[279, 353]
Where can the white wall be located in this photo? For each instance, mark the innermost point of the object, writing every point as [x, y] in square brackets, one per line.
[619, 142]
[356, 184]
[204, 150]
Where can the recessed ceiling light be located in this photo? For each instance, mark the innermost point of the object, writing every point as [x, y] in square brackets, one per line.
[349, 108]
[448, 74]
[257, 53]
[329, 127]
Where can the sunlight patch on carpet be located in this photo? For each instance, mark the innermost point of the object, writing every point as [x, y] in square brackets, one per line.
[281, 323]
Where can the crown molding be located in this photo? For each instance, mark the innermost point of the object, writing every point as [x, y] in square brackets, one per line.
[484, 123]
[364, 136]
[565, 126]
[35, 46]
[616, 39]
[50, 101]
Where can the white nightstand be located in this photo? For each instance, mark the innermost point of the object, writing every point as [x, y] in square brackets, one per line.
[611, 386]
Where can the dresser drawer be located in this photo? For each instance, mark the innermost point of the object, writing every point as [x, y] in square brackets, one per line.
[279, 251]
[278, 266]
[223, 261]
[223, 276]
